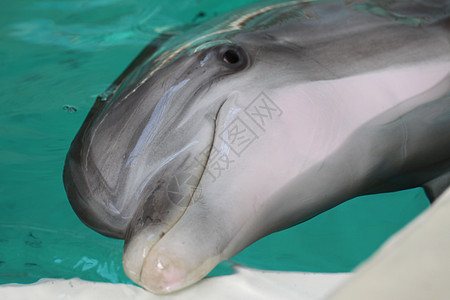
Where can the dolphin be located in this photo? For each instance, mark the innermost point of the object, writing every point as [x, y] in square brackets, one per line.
[258, 120]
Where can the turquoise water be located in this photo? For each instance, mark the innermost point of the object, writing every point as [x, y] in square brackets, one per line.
[55, 58]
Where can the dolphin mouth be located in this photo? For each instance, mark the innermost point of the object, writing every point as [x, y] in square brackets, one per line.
[146, 276]
[180, 191]
[159, 214]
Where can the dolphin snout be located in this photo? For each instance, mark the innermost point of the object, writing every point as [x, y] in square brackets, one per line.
[163, 272]
[154, 219]
[186, 253]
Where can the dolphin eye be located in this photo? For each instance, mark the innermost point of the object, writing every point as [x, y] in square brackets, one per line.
[234, 57]
[231, 57]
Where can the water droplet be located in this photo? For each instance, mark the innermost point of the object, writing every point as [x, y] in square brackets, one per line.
[108, 93]
[70, 108]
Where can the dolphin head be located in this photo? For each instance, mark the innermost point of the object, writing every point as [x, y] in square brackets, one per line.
[166, 145]
[136, 164]
[184, 157]
[177, 157]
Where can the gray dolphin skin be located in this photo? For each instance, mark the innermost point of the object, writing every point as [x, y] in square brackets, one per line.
[258, 120]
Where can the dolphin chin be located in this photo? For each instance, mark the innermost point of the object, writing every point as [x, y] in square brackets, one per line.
[258, 120]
